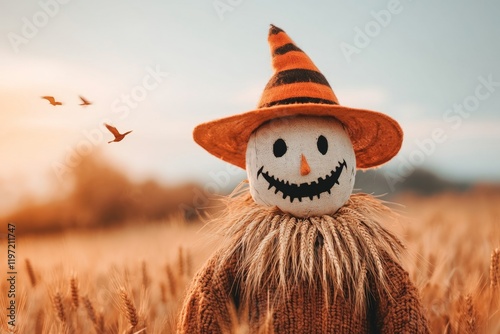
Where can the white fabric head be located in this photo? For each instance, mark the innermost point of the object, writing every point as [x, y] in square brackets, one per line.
[304, 165]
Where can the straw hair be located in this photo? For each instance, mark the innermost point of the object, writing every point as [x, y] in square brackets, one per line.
[339, 253]
[297, 87]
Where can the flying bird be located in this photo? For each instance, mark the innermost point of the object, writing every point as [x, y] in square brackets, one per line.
[85, 102]
[114, 131]
[52, 100]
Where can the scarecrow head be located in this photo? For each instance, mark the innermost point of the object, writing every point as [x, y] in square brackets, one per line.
[300, 147]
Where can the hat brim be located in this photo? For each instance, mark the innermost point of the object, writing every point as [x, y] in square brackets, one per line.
[376, 137]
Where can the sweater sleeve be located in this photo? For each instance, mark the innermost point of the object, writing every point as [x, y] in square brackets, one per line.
[206, 306]
[399, 309]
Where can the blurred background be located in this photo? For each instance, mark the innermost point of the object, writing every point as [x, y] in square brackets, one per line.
[159, 68]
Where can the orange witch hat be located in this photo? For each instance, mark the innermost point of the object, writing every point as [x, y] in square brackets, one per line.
[298, 88]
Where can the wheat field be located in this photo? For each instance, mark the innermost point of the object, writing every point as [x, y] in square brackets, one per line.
[131, 279]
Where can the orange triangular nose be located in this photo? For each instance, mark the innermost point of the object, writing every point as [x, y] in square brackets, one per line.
[304, 166]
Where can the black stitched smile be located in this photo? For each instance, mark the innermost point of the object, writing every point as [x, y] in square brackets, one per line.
[315, 188]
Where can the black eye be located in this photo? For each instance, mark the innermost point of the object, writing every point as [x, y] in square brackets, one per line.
[322, 145]
[279, 148]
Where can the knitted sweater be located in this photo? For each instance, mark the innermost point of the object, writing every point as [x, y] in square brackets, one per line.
[207, 308]
[217, 300]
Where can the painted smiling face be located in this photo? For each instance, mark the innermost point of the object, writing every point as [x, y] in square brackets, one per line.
[303, 165]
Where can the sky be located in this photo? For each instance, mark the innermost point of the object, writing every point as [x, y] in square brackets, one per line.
[160, 67]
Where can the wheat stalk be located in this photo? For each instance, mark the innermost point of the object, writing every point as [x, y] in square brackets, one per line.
[97, 321]
[145, 277]
[39, 322]
[59, 307]
[180, 262]
[189, 263]
[74, 291]
[31, 272]
[163, 293]
[172, 281]
[495, 269]
[129, 308]
[467, 316]
[90, 309]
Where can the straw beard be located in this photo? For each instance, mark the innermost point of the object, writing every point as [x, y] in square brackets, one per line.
[341, 254]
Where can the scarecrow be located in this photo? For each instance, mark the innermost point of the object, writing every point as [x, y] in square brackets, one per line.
[301, 254]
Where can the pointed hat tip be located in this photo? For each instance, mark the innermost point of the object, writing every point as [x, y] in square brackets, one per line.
[273, 30]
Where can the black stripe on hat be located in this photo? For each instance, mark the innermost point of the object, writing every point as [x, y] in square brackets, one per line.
[274, 30]
[296, 75]
[286, 48]
[300, 99]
